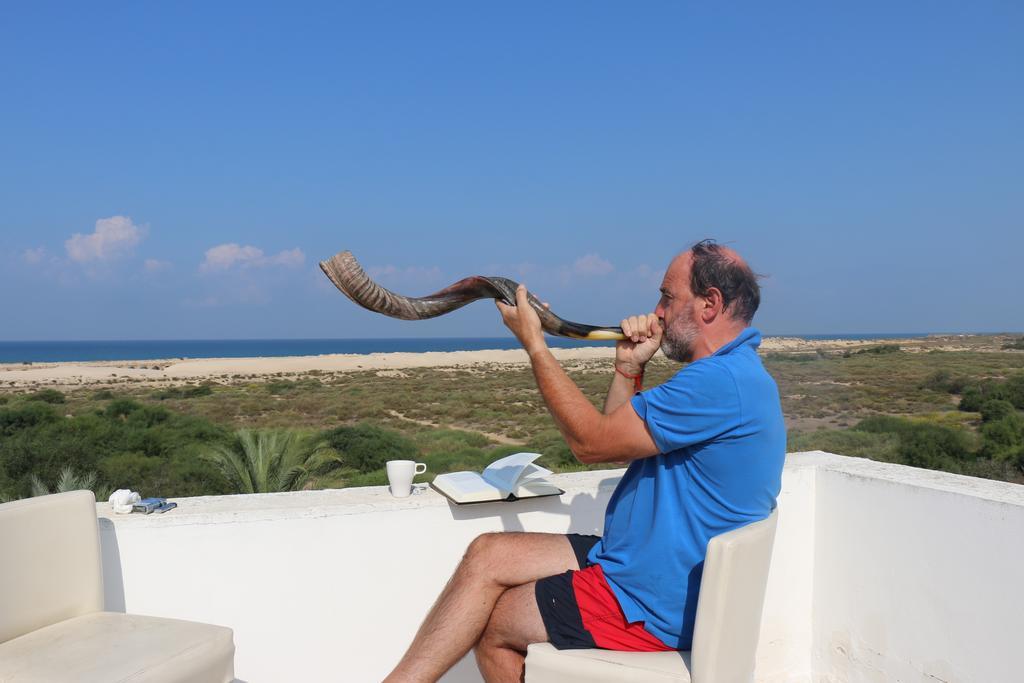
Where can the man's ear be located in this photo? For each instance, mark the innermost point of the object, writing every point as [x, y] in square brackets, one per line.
[711, 305]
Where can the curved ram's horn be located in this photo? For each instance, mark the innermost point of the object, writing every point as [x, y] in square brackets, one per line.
[348, 276]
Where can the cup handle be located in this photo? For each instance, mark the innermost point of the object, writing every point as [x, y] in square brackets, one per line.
[418, 466]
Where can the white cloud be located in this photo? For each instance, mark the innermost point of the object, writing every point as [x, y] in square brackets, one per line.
[33, 256]
[225, 256]
[648, 276]
[113, 237]
[588, 265]
[289, 257]
[153, 265]
[591, 264]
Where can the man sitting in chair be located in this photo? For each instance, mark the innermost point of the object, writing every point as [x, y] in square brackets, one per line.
[705, 452]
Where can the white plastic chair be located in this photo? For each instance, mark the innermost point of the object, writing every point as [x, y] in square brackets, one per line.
[52, 627]
[725, 633]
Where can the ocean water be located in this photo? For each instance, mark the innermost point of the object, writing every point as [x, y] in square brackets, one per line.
[60, 351]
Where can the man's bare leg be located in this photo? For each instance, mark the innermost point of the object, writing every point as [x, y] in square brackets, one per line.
[515, 623]
[492, 564]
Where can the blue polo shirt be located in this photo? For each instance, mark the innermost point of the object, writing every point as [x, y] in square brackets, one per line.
[722, 442]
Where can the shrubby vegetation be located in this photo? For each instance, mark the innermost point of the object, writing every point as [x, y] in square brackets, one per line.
[70, 481]
[124, 444]
[995, 449]
[1010, 390]
[183, 392]
[365, 448]
[47, 396]
[873, 350]
[951, 410]
[268, 461]
[944, 380]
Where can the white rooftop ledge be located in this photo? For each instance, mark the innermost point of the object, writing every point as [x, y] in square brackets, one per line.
[880, 572]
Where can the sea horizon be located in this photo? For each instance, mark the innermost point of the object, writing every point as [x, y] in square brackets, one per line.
[53, 351]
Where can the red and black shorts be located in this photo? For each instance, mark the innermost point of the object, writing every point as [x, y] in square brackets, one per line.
[580, 611]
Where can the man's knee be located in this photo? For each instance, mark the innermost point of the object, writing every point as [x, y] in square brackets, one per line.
[512, 558]
[484, 551]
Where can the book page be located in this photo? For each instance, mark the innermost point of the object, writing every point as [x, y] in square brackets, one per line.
[504, 474]
[533, 488]
[533, 471]
[467, 486]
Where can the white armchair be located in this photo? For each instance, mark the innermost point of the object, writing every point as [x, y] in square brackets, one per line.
[725, 634]
[52, 623]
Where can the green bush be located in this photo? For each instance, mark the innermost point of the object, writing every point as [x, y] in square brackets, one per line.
[995, 409]
[464, 458]
[874, 350]
[204, 389]
[1015, 344]
[1015, 390]
[972, 399]
[859, 444]
[922, 444]
[933, 447]
[47, 396]
[1003, 438]
[374, 478]
[944, 380]
[122, 408]
[25, 416]
[144, 447]
[1010, 389]
[280, 386]
[128, 470]
[776, 356]
[881, 424]
[367, 447]
[145, 417]
[439, 440]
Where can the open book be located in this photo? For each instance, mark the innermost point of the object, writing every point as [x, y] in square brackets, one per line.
[510, 478]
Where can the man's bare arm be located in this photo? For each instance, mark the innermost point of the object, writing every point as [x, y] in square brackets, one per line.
[592, 436]
[643, 338]
[619, 393]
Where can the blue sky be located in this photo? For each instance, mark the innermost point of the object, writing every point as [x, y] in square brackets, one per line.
[176, 170]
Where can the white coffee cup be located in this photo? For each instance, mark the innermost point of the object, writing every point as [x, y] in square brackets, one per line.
[400, 475]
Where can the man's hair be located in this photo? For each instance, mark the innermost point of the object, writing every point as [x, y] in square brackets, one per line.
[713, 267]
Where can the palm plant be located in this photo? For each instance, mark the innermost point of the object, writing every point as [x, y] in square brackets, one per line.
[267, 461]
[70, 481]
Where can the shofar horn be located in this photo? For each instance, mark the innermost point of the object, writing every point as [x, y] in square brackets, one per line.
[348, 276]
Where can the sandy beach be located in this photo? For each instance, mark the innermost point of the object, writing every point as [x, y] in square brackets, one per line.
[179, 371]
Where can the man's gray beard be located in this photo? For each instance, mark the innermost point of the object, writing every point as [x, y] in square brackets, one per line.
[678, 345]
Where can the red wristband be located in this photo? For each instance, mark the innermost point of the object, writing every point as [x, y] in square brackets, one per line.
[638, 380]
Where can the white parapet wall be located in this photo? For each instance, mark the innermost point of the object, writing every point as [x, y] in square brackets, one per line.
[866, 584]
[917, 575]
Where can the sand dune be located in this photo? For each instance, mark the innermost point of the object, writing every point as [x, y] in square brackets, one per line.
[159, 371]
